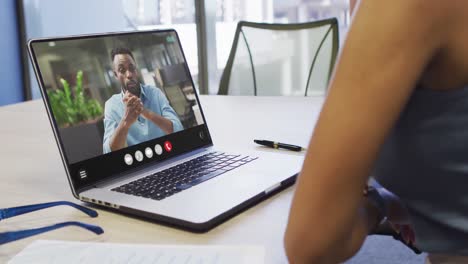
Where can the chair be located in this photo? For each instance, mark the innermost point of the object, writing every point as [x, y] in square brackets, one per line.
[281, 59]
[174, 79]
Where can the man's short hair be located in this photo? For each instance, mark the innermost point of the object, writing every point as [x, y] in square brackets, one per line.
[120, 50]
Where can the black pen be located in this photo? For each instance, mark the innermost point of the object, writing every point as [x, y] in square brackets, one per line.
[278, 145]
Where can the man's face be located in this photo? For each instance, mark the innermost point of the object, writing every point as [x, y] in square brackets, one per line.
[125, 71]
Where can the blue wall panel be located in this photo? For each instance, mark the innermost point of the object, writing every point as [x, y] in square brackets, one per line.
[11, 82]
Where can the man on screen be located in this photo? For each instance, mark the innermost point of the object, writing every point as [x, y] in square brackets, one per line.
[139, 112]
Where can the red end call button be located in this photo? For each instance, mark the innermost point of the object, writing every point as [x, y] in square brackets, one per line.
[168, 146]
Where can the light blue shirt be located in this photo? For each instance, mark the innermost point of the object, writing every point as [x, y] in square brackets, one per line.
[142, 130]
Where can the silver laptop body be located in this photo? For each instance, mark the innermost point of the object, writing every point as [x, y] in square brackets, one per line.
[94, 175]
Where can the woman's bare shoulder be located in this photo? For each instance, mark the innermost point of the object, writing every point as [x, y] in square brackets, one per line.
[423, 13]
[421, 21]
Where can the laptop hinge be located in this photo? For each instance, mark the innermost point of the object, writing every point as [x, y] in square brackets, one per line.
[146, 169]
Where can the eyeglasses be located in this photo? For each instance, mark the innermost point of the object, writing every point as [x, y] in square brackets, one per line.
[5, 213]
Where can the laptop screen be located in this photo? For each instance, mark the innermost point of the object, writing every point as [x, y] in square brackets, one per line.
[118, 101]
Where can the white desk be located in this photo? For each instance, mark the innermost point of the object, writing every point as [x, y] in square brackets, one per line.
[32, 172]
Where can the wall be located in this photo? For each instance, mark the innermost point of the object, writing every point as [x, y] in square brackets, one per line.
[11, 85]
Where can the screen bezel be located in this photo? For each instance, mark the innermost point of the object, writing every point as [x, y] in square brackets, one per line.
[77, 187]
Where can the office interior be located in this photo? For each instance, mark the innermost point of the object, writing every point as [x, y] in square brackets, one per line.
[206, 29]
[26, 19]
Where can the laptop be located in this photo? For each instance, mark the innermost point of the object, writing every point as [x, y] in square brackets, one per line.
[132, 136]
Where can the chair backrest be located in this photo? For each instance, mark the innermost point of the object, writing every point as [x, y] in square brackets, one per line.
[173, 79]
[281, 59]
[177, 99]
[174, 74]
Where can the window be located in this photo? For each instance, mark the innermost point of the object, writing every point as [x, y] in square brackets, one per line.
[229, 12]
[45, 18]
[161, 14]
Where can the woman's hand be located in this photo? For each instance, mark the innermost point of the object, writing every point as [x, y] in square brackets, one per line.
[397, 215]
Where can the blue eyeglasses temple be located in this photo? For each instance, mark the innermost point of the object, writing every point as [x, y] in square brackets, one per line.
[7, 237]
[14, 211]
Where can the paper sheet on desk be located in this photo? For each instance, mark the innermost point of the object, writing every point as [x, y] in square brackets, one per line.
[49, 251]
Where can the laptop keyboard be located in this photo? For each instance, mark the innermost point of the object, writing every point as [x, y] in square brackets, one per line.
[170, 181]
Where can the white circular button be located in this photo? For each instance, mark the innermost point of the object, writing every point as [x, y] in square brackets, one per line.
[149, 153]
[138, 155]
[158, 149]
[128, 159]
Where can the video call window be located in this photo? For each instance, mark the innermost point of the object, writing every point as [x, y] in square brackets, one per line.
[108, 93]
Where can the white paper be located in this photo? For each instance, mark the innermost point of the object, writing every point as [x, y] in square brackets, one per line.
[49, 251]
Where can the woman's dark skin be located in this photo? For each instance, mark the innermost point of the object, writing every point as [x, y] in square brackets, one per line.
[392, 46]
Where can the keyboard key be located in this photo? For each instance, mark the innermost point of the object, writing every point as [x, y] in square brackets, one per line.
[249, 159]
[170, 181]
[237, 164]
[199, 180]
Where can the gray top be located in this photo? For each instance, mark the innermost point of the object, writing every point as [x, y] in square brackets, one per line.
[425, 162]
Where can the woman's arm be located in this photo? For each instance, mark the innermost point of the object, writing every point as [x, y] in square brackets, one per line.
[388, 47]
